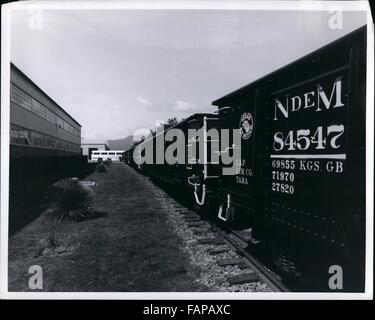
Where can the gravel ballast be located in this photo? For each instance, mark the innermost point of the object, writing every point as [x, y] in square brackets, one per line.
[212, 275]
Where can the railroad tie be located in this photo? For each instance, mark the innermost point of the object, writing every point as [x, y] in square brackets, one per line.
[248, 277]
[192, 224]
[187, 212]
[219, 250]
[200, 230]
[192, 219]
[177, 209]
[240, 242]
[217, 241]
[241, 263]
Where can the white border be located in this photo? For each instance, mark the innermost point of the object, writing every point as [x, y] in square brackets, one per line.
[5, 124]
[370, 156]
[192, 5]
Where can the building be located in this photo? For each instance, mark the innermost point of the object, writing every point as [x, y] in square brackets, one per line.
[38, 125]
[45, 146]
[88, 146]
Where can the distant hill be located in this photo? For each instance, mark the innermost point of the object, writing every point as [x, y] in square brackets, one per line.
[121, 144]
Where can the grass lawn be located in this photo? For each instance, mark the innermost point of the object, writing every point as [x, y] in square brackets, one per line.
[130, 248]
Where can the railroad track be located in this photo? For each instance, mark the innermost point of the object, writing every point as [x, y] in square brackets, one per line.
[235, 240]
[266, 275]
[220, 242]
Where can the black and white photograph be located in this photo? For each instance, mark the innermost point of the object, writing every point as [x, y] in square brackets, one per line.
[187, 150]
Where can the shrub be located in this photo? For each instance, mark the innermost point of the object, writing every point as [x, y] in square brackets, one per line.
[101, 167]
[107, 162]
[68, 200]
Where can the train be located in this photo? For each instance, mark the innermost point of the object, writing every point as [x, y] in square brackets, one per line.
[298, 189]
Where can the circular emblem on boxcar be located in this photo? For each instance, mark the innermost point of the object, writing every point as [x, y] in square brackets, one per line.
[246, 126]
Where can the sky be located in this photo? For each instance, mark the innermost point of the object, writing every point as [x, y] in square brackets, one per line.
[119, 71]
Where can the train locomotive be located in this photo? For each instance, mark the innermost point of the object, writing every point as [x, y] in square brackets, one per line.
[299, 188]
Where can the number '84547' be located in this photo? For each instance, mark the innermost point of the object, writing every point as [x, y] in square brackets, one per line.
[304, 139]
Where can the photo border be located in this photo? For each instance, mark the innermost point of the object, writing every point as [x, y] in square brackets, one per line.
[183, 5]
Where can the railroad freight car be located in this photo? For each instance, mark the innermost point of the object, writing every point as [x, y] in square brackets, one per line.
[128, 156]
[298, 191]
[189, 170]
[301, 185]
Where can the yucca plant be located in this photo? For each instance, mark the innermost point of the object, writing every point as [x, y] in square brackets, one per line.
[68, 200]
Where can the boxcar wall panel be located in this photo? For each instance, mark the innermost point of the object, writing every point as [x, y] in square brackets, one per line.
[190, 165]
[240, 112]
[128, 156]
[201, 169]
[314, 169]
[180, 173]
[194, 150]
[304, 194]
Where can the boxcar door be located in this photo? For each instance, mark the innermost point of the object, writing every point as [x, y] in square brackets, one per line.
[238, 201]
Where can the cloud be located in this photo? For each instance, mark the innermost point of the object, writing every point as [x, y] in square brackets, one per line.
[183, 106]
[144, 102]
[128, 68]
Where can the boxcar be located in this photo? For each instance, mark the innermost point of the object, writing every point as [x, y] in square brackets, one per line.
[191, 172]
[128, 157]
[301, 187]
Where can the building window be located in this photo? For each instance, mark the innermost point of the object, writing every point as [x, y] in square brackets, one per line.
[19, 136]
[25, 101]
[51, 117]
[51, 143]
[38, 108]
[19, 97]
[38, 140]
[27, 137]
[60, 122]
